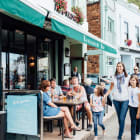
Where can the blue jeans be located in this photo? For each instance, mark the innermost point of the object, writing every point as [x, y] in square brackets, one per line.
[97, 119]
[121, 109]
[134, 122]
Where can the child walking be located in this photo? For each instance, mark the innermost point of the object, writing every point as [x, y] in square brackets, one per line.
[97, 109]
[134, 106]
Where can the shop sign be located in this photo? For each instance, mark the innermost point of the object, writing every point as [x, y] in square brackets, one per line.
[66, 13]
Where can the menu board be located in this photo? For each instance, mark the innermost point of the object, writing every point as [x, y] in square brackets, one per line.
[22, 114]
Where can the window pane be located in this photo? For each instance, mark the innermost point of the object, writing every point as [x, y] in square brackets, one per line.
[110, 25]
[137, 33]
[43, 62]
[17, 71]
[126, 34]
[125, 27]
[73, 2]
[4, 70]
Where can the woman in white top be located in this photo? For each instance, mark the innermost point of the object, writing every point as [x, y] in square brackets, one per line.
[134, 106]
[120, 96]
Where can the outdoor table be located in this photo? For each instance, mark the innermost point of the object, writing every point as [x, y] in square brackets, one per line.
[72, 103]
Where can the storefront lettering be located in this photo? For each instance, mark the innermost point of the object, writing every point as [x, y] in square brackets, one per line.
[91, 42]
[66, 13]
[21, 102]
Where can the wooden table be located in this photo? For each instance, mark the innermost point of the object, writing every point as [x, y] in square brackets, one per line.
[72, 103]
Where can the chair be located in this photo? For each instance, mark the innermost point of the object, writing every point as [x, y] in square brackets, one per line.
[52, 118]
[79, 116]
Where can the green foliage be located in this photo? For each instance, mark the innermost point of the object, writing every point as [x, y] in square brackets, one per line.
[137, 2]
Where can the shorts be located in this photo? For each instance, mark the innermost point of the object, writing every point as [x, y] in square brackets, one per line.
[78, 107]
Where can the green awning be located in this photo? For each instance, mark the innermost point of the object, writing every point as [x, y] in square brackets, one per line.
[19, 9]
[79, 36]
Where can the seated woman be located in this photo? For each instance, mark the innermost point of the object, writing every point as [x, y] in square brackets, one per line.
[50, 109]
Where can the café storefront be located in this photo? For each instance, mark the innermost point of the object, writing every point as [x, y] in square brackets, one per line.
[28, 53]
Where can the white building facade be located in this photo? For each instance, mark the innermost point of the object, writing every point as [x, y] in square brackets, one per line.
[121, 28]
[128, 28]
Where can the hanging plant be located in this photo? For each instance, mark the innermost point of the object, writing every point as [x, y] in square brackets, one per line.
[61, 5]
[78, 15]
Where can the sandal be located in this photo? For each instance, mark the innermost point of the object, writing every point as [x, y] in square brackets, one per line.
[76, 128]
[70, 137]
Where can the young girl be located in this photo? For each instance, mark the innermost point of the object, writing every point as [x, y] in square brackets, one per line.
[97, 109]
[134, 106]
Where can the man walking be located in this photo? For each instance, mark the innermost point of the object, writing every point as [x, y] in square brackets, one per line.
[137, 73]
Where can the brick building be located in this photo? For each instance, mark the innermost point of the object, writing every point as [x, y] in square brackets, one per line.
[99, 62]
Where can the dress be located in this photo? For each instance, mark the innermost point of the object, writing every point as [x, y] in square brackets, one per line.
[48, 110]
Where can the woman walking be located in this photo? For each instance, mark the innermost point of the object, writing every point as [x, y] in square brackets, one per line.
[134, 106]
[120, 83]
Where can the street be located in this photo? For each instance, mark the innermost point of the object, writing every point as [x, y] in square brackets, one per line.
[112, 129]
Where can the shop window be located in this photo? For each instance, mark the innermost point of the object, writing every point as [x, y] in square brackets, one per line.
[13, 60]
[42, 60]
[5, 86]
[17, 71]
[14, 76]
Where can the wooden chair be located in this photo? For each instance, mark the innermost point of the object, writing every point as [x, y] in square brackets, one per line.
[52, 118]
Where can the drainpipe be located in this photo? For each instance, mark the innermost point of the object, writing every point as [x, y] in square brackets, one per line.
[101, 13]
[105, 9]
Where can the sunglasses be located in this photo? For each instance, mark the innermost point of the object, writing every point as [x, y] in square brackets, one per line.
[135, 69]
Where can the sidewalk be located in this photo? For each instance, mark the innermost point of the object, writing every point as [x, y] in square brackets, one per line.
[80, 135]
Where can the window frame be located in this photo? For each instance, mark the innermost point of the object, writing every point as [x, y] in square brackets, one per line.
[110, 25]
[126, 33]
[137, 34]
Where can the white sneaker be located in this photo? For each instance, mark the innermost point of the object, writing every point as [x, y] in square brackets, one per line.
[137, 137]
[96, 138]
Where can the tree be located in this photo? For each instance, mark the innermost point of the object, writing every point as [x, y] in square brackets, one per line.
[137, 2]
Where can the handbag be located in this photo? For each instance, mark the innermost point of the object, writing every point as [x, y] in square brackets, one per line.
[109, 100]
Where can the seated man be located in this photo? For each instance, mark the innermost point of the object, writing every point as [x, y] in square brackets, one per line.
[89, 90]
[79, 93]
[56, 91]
[66, 86]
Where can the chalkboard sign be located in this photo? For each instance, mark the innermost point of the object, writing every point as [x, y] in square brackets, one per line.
[22, 114]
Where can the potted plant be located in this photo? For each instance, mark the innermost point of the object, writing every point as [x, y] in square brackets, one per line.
[61, 5]
[78, 15]
[128, 42]
[138, 43]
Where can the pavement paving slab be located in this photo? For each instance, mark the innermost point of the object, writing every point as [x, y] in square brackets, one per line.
[111, 124]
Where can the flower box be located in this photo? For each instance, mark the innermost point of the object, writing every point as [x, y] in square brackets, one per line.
[138, 43]
[61, 5]
[79, 16]
[128, 42]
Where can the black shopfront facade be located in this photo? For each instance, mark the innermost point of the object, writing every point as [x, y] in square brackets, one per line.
[29, 54]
